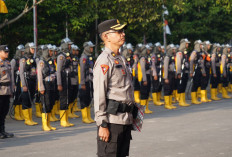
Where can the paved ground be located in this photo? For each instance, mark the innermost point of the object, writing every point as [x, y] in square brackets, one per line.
[197, 131]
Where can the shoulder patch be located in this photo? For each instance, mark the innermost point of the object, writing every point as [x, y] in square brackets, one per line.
[61, 57]
[113, 54]
[153, 58]
[104, 68]
[116, 62]
[84, 60]
[23, 60]
[143, 60]
[41, 64]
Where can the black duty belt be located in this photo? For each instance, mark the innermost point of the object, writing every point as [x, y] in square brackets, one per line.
[4, 83]
[114, 107]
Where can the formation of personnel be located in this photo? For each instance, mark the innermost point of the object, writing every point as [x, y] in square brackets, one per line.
[154, 70]
[55, 77]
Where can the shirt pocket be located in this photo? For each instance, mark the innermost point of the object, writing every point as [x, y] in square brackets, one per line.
[118, 76]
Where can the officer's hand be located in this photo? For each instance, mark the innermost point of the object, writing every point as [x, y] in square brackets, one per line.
[204, 75]
[215, 75]
[42, 92]
[155, 78]
[145, 83]
[83, 87]
[24, 88]
[191, 75]
[60, 88]
[166, 81]
[104, 134]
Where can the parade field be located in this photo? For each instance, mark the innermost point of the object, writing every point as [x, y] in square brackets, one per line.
[197, 131]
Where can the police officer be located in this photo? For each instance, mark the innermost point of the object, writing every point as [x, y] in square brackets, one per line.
[205, 70]
[6, 89]
[144, 76]
[215, 71]
[46, 81]
[196, 59]
[182, 70]
[224, 71]
[64, 82]
[169, 76]
[86, 84]
[136, 84]
[157, 66]
[74, 80]
[113, 93]
[28, 82]
[16, 82]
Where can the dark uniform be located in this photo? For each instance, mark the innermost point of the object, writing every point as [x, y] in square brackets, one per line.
[196, 59]
[46, 86]
[182, 70]
[28, 82]
[16, 83]
[169, 76]
[86, 81]
[6, 89]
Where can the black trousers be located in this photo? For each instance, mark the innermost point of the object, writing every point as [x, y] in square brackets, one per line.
[65, 94]
[168, 87]
[205, 80]
[4, 108]
[74, 93]
[118, 144]
[156, 85]
[28, 97]
[17, 95]
[145, 90]
[182, 86]
[215, 80]
[225, 81]
[86, 95]
[136, 84]
[196, 80]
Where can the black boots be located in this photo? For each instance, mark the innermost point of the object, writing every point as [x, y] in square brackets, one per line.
[4, 134]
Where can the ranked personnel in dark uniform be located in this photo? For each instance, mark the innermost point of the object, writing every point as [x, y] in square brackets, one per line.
[113, 93]
[5, 89]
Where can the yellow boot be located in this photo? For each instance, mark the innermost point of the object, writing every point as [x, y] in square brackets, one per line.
[214, 94]
[137, 96]
[38, 110]
[75, 107]
[198, 92]
[159, 98]
[147, 111]
[57, 107]
[63, 118]
[173, 96]
[71, 113]
[154, 96]
[89, 114]
[30, 112]
[17, 114]
[170, 102]
[194, 98]
[206, 97]
[45, 122]
[203, 96]
[48, 122]
[27, 117]
[166, 103]
[220, 88]
[52, 117]
[182, 101]
[84, 113]
[225, 94]
[21, 111]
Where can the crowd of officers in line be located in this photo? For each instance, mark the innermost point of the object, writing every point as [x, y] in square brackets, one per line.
[55, 77]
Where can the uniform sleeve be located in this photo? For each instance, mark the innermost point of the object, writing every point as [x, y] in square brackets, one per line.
[82, 67]
[179, 57]
[203, 65]
[192, 58]
[135, 64]
[40, 76]
[101, 75]
[142, 64]
[153, 66]
[223, 62]
[22, 64]
[60, 62]
[12, 63]
[166, 64]
[213, 64]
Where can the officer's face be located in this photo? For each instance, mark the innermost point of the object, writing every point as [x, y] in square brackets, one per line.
[228, 50]
[162, 51]
[77, 52]
[69, 46]
[22, 53]
[91, 49]
[130, 51]
[116, 37]
[159, 48]
[148, 51]
[50, 53]
[4, 54]
[32, 50]
[187, 45]
[209, 46]
[73, 52]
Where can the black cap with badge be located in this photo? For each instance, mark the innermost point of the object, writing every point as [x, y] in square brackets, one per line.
[112, 24]
[4, 48]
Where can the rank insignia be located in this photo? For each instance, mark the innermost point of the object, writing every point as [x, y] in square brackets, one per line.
[116, 62]
[84, 60]
[50, 62]
[113, 54]
[105, 68]
[28, 62]
[143, 60]
[153, 58]
[41, 64]
[31, 60]
[3, 72]
[123, 72]
[61, 57]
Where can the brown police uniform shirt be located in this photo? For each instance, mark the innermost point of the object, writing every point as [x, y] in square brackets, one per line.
[111, 80]
[5, 78]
